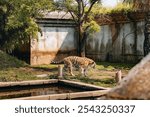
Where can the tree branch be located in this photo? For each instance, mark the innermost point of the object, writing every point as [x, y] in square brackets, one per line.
[89, 10]
[72, 13]
[73, 16]
[82, 3]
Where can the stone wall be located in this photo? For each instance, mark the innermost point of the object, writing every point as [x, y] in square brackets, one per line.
[56, 41]
[117, 42]
[120, 39]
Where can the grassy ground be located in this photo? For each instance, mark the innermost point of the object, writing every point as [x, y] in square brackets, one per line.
[103, 75]
[11, 69]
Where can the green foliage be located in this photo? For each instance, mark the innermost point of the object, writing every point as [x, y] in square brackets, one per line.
[18, 17]
[18, 20]
[93, 27]
[120, 8]
[143, 5]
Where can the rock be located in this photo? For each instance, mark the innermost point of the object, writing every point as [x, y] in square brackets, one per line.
[136, 85]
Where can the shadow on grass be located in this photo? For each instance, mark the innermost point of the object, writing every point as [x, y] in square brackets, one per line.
[7, 61]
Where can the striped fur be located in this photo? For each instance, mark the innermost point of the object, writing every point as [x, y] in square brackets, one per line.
[82, 63]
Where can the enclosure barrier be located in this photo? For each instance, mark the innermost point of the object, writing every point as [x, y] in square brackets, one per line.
[91, 91]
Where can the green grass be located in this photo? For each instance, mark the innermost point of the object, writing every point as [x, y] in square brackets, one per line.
[102, 70]
[113, 66]
[106, 82]
[12, 69]
[14, 74]
[7, 61]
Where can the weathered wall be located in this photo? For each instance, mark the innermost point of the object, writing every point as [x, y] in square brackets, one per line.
[120, 39]
[54, 43]
[120, 42]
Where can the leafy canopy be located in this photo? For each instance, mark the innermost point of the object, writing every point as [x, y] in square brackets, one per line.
[85, 11]
[18, 20]
[80, 11]
[18, 17]
[139, 4]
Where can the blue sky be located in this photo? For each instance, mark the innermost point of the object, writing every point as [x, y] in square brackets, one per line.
[109, 3]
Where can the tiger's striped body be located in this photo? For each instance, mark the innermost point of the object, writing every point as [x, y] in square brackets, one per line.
[82, 63]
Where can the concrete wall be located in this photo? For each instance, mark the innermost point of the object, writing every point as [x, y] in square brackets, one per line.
[54, 43]
[117, 43]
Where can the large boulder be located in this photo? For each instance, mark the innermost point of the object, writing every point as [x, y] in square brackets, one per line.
[136, 85]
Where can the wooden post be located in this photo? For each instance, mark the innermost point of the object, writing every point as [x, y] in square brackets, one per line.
[118, 76]
[60, 71]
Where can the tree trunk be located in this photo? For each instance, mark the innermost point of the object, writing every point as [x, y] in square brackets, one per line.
[3, 37]
[147, 34]
[79, 27]
[83, 44]
[79, 40]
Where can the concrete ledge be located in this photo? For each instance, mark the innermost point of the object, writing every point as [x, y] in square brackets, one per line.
[82, 85]
[27, 83]
[91, 91]
[62, 82]
[87, 94]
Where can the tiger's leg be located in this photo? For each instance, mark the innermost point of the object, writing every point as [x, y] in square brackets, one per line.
[70, 69]
[82, 70]
[65, 67]
[85, 72]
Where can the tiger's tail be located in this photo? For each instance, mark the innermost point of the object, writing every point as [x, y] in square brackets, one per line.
[57, 62]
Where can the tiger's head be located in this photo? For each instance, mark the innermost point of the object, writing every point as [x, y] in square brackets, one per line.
[93, 64]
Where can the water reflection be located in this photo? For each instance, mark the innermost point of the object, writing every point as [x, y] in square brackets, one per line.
[26, 91]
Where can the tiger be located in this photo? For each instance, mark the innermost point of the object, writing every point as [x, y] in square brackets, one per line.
[83, 63]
